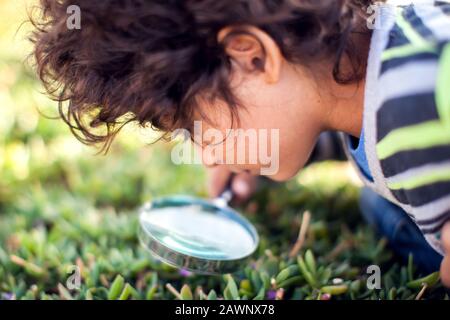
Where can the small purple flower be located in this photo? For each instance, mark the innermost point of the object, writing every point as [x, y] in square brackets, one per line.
[185, 273]
[271, 294]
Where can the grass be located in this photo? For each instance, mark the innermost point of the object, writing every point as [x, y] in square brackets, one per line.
[62, 206]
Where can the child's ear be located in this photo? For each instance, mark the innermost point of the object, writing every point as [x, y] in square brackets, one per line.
[252, 49]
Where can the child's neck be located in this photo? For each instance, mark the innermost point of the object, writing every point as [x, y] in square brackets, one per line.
[345, 104]
[346, 110]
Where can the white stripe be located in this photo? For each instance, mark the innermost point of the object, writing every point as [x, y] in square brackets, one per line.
[436, 20]
[433, 209]
[415, 77]
[419, 171]
[430, 210]
[437, 224]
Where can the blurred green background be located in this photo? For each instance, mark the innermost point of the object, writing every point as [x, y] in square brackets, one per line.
[62, 205]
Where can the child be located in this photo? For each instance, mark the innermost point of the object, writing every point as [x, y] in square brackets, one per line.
[302, 67]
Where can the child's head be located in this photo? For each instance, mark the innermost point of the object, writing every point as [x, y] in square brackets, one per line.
[166, 63]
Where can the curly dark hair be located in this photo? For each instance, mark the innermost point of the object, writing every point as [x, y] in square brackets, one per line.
[147, 60]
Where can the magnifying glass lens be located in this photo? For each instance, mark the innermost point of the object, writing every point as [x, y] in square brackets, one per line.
[196, 234]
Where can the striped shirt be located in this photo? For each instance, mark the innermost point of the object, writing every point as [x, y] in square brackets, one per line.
[407, 113]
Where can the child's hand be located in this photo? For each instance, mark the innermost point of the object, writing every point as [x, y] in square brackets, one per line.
[445, 266]
[243, 184]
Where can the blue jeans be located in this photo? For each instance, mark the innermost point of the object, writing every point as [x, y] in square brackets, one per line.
[396, 226]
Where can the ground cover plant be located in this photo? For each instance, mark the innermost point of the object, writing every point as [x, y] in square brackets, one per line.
[64, 208]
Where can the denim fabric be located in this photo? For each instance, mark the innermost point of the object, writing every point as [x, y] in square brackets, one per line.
[402, 233]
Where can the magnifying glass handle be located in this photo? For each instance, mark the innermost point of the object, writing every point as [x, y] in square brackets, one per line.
[226, 196]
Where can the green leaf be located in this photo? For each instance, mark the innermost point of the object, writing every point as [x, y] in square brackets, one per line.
[212, 295]
[232, 288]
[410, 267]
[265, 280]
[429, 280]
[256, 279]
[306, 273]
[139, 265]
[355, 286]
[227, 294]
[127, 291]
[116, 288]
[186, 293]
[335, 290]
[310, 262]
[287, 273]
[290, 282]
[151, 292]
[154, 279]
[392, 294]
[261, 294]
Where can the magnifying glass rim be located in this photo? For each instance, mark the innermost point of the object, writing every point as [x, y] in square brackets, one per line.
[184, 261]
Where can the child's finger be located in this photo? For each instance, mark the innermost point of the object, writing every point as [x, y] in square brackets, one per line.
[217, 179]
[445, 271]
[445, 238]
[243, 186]
[445, 266]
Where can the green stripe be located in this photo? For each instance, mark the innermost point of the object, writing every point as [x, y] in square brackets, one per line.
[418, 44]
[443, 87]
[419, 136]
[407, 50]
[413, 36]
[415, 182]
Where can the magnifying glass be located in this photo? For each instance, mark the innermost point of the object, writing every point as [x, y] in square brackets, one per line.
[198, 235]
